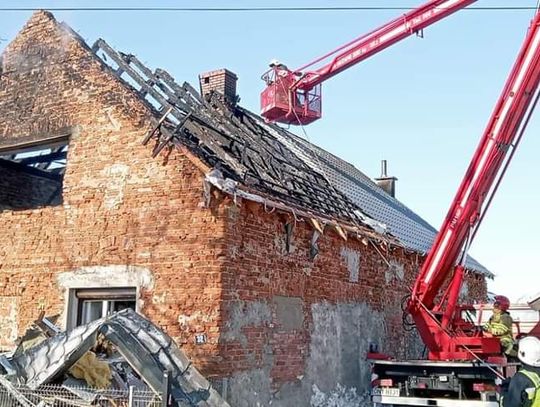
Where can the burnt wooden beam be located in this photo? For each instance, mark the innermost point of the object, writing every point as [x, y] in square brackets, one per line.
[119, 60]
[178, 90]
[45, 158]
[35, 141]
[236, 140]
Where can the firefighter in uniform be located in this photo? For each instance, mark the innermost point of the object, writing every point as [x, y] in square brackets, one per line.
[524, 387]
[500, 325]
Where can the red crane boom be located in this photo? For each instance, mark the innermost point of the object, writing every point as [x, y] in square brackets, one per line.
[294, 97]
[441, 326]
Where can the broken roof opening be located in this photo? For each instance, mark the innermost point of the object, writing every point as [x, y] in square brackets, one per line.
[32, 174]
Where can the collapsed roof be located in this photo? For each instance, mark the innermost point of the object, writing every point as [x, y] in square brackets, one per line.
[266, 159]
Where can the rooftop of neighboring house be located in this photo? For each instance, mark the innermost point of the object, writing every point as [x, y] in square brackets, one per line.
[249, 158]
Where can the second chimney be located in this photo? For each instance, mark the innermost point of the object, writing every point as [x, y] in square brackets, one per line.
[388, 184]
[222, 81]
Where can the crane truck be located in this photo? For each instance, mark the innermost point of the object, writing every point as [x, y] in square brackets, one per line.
[464, 366]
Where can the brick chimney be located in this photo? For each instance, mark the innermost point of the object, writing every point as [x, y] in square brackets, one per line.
[388, 184]
[222, 81]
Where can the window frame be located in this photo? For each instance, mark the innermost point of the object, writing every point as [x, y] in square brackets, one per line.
[107, 295]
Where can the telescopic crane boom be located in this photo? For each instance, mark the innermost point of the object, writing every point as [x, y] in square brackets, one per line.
[440, 325]
[294, 96]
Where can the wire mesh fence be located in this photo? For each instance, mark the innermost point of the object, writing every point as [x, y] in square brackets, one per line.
[61, 396]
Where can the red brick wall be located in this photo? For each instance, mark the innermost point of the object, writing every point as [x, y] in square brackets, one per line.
[259, 269]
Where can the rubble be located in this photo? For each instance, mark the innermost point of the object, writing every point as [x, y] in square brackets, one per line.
[339, 397]
[118, 352]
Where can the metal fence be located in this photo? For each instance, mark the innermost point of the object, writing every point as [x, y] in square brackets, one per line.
[60, 396]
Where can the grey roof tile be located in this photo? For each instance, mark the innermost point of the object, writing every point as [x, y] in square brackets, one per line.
[413, 231]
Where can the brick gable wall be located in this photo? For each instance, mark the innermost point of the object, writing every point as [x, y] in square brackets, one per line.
[121, 208]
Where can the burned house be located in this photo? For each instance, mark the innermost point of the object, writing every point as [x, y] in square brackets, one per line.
[272, 263]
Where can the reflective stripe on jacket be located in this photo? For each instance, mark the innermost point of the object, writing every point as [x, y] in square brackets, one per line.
[523, 391]
[500, 325]
[533, 393]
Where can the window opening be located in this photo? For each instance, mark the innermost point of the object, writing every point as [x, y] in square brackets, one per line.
[92, 304]
[32, 176]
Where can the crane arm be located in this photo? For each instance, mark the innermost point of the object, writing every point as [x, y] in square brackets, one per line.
[380, 39]
[507, 122]
[294, 97]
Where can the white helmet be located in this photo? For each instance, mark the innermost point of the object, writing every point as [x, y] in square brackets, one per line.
[529, 351]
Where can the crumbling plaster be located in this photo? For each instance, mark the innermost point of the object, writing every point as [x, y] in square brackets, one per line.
[336, 368]
[242, 314]
[352, 260]
[8, 321]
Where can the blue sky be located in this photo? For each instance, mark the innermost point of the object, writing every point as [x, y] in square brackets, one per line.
[422, 104]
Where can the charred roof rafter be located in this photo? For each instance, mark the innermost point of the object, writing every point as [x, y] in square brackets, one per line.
[234, 139]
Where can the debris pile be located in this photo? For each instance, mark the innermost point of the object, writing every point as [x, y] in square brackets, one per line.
[119, 353]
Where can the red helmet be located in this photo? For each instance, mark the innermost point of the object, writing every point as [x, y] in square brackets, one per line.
[502, 302]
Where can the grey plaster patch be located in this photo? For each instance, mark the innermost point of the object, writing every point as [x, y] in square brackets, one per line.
[284, 244]
[114, 124]
[336, 373]
[352, 260]
[233, 212]
[241, 314]
[8, 321]
[292, 394]
[307, 271]
[341, 337]
[289, 312]
[198, 317]
[339, 397]
[395, 271]
[250, 389]
[107, 276]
